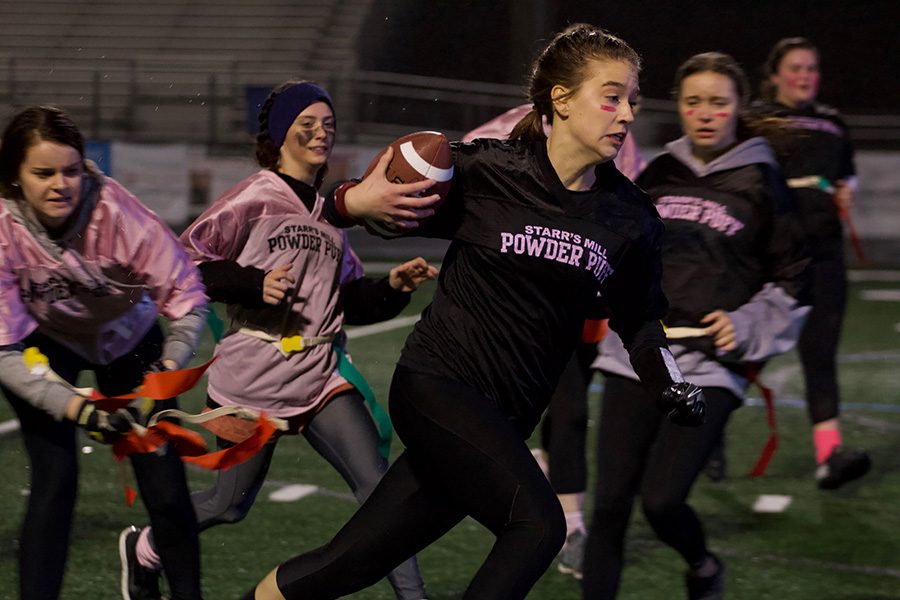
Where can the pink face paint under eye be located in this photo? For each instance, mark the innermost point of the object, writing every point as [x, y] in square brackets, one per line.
[608, 108]
[722, 115]
[689, 112]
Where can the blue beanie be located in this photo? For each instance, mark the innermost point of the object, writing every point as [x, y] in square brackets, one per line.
[290, 103]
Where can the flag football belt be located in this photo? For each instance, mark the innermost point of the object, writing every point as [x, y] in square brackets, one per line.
[288, 345]
[816, 182]
[246, 414]
[297, 343]
[680, 333]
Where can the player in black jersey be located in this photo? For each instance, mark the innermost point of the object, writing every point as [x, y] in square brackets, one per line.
[732, 270]
[817, 160]
[539, 227]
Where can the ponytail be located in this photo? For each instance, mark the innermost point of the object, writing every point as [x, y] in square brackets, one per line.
[529, 128]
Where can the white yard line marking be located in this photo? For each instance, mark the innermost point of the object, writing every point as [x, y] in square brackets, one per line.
[293, 492]
[771, 503]
[855, 275]
[884, 295]
[9, 426]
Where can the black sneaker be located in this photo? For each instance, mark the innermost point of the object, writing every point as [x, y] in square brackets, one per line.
[842, 466]
[707, 588]
[571, 557]
[138, 582]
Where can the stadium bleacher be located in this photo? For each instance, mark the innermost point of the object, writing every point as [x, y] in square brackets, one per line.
[168, 70]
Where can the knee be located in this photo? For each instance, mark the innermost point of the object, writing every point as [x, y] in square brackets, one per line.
[221, 511]
[556, 532]
[610, 517]
[364, 483]
[657, 508]
[230, 516]
[164, 500]
[54, 485]
[554, 527]
[543, 516]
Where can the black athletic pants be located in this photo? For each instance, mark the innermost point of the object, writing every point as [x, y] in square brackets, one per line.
[640, 452]
[463, 456]
[53, 456]
[818, 342]
[564, 429]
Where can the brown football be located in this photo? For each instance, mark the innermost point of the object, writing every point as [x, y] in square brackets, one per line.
[417, 156]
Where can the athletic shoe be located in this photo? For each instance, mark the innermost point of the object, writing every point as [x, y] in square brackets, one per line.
[138, 582]
[707, 588]
[842, 466]
[571, 557]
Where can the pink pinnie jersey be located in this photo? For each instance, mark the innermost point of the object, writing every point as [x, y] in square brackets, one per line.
[261, 222]
[100, 291]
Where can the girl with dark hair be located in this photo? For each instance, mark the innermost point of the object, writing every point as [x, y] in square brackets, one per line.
[85, 269]
[817, 159]
[732, 270]
[539, 227]
[290, 281]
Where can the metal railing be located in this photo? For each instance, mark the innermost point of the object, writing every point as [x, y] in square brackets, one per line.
[202, 100]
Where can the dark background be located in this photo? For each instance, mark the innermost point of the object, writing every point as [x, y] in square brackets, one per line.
[495, 41]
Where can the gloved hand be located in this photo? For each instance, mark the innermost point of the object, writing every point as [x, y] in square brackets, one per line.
[683, 404]
[107, 427]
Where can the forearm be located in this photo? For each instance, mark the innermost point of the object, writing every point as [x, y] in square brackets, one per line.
[768, 325]
[335, 210]
[52, 397]
[369, 300]
[229, 282]
[651, 359]
[183, 337]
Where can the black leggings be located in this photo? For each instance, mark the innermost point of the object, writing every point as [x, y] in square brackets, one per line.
[640, 452]
[564, 429]
[52, 453]
[819, 341]
[463, 456]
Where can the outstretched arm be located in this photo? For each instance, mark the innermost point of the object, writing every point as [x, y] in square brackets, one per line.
[369, 300]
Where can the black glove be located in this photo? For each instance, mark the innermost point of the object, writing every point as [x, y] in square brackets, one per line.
[684, 404]
[107, 427]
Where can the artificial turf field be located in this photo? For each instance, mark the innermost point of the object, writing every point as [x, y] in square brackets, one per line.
[840, 545]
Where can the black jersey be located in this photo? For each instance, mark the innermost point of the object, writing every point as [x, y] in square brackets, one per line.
[732, 243]
[729, 230]
[528, 263]
[813, 143]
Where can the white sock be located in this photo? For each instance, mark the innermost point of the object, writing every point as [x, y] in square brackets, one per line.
[574, 522]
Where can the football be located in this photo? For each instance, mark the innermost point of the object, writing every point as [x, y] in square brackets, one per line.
[417, 156]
